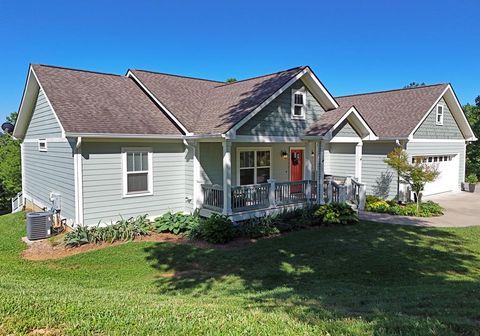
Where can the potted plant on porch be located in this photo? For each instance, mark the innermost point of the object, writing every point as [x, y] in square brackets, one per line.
[470, 183]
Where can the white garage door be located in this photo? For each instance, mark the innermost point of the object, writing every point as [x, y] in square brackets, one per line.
[448, 178]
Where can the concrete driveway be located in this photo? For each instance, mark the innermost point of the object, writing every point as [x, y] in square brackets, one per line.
[461, 209]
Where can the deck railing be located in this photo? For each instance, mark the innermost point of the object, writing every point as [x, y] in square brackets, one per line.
[274, 194]
[251, 197]
[17, 203]
[292, 192]
[212, 197]
[357, 193]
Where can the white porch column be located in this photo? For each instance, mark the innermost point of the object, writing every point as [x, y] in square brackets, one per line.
[308, 169]
[197, 182]
[358, 161]
[227, 177]
[320, 150]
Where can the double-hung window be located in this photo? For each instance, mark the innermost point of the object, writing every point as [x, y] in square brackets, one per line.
[254, 166]
[137, 171]
[298, 104]
[439, 117]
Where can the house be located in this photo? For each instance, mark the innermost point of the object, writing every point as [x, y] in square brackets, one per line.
[100, 146]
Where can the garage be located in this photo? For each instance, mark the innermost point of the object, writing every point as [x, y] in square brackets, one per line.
[448, 167]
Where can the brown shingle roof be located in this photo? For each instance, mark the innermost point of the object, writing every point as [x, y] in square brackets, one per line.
[208, 106]
[394, 113]
[327, 121]
[90, 102]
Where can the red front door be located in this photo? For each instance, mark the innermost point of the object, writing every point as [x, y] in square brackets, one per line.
[296, 169]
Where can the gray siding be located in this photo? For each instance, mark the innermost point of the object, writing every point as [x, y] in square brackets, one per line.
[275, 119]
[436, 148]
[340, 159]
[189, 157]
[345, 130]
[373, 167]
[211, 162]
[43, 123]
[51, 171]
[212, 167]
[430, 130]
[102, 182]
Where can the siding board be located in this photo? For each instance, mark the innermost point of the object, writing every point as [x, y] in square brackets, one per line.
[275, 118]
[430, 130]
[43, 123]
[102, 182]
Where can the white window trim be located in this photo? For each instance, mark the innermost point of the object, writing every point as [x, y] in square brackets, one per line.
[304, 94]
[254, 149]
[439, 123]
[149, 150]
[45, 142]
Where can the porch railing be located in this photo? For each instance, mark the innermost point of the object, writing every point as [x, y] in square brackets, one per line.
[357, 193]
[274, 194]
[17, 203]
[212, 197]
[292, 192]
[250, 197]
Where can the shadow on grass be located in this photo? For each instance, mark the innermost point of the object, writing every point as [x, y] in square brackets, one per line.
[400, 279]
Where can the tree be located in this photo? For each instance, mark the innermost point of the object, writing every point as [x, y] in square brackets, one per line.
[472, 113]
[414, 85]
[416, 174]
[10, 167]
[231, 80]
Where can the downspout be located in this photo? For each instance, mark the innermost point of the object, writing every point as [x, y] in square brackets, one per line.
[79, 180]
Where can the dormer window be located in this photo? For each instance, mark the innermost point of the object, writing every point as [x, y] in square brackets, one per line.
[439, 117]
[298, 104]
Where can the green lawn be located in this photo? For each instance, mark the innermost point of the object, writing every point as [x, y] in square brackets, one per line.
[368, 279]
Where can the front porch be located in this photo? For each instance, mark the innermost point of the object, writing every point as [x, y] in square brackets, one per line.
[244, 180]
[267, 198]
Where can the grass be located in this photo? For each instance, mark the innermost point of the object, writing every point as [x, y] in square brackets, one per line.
[369, 279]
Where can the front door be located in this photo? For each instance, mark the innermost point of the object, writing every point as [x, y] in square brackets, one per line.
[296, 169]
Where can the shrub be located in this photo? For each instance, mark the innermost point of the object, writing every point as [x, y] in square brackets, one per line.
[430, 208]
[258, 227]
[124, 229]
[427, 209]
[336, 213]
[472, 179]
[216, 229]
[176, 223]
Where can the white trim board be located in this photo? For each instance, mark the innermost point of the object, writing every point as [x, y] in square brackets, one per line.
[149, 151]
[456, 111]
[352, 110]
[310, 81]
[49, 103]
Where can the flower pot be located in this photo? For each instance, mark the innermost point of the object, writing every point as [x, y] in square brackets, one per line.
[468, 187]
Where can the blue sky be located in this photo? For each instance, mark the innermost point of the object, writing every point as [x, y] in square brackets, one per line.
[353, 46]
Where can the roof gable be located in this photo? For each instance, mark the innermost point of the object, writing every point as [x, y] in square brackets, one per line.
[395, 113]
[95, 103]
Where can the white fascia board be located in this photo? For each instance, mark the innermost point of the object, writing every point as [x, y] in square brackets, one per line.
[459, 111]
[322, 88]
[158, 137]
[371, 135]
[49, 103]
[266, 102]
[152, 96]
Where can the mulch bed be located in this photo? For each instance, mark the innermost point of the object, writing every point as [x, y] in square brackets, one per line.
[46, 250]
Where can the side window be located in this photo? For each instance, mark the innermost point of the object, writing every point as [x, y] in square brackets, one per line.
[298, 104]
[42, 145]
[439, 117]
[137, 171]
